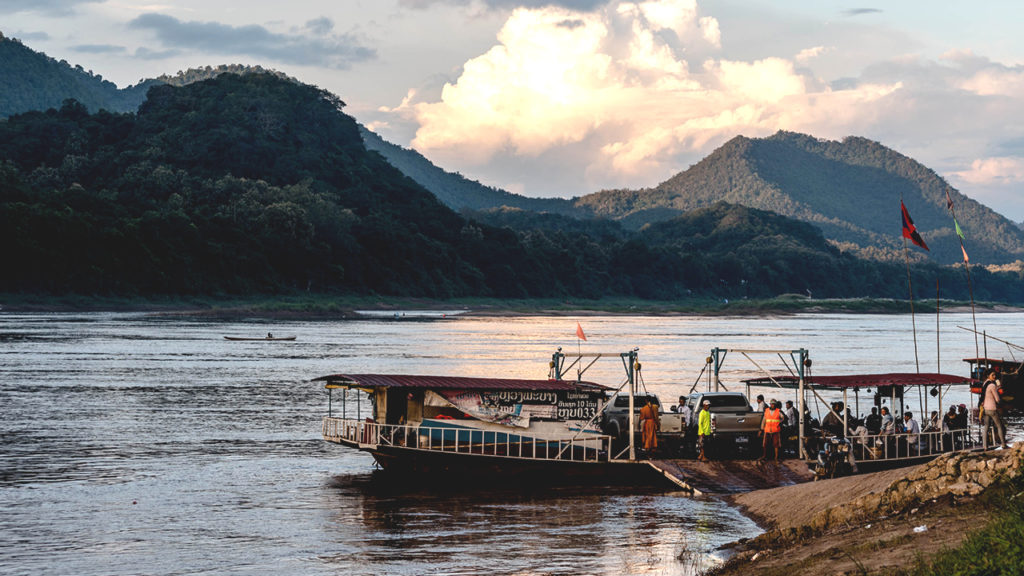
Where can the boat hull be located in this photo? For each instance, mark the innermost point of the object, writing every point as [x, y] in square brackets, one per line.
[397, 462]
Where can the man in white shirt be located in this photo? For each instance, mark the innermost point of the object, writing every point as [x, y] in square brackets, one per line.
[913, 431]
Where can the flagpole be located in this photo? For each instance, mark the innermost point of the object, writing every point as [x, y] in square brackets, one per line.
[967, 266]
[910, 286]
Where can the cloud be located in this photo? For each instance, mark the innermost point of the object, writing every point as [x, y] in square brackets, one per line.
[99, 49]
[861, 11]
[330, 50]
[147, 54]
[808, 54]
[32, 36]
[996, 170]
[53, 7]
[615, 89]
[582, 5]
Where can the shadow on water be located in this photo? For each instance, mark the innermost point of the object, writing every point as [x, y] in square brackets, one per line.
[406, 527]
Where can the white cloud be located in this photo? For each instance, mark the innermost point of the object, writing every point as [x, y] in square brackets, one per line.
[808, 54]
[995, 170]
[618, 90]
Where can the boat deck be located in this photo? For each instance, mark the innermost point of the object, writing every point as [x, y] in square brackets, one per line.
[732, 476]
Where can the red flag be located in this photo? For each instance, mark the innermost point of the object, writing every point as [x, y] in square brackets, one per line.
[949, 201]
[966, 260]
[579, 332]
[909, 230]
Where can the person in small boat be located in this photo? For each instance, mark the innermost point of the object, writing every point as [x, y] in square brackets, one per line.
[990, 418]
[650, 423]
[704, 431]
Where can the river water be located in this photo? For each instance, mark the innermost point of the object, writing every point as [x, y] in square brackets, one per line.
[146, 444]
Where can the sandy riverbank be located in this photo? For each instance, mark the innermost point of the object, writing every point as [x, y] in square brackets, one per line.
[874, 523]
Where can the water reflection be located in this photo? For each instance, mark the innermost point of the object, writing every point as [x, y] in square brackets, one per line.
[134, 444]
[402, 530]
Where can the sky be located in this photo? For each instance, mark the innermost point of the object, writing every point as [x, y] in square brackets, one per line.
[568, 97]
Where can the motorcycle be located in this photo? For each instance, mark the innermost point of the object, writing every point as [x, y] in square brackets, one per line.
[833, 459]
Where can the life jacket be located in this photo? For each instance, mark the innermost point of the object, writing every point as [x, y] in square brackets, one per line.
[772, 421]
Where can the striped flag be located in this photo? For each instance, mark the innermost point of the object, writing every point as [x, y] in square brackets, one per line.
[909, 230]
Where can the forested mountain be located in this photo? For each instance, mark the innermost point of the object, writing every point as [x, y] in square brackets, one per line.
[256, 184]
[454, 190]
[34, 81]
[849, 189]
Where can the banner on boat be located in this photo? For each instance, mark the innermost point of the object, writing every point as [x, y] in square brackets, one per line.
[518, 407]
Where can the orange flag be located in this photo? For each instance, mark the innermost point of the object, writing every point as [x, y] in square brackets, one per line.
[579, 332]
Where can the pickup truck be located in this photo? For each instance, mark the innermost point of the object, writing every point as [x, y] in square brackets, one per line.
[732, 419]
[615, 421]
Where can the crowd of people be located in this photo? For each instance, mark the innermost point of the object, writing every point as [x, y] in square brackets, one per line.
[878, 434]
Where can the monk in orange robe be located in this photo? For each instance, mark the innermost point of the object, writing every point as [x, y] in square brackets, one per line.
[650, 423]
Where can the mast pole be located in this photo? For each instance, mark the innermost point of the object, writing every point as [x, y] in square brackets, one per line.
[910, 287]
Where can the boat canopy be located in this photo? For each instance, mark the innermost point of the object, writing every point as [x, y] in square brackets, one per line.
[371, 381]
[865, 380]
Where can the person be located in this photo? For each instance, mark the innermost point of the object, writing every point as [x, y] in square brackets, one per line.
[686, 411]
[991, 418]
[650, 423]
[948, 425]
[771, 430]
[888, 424]
[704, 431]
[832, 423]
[933, 422]
[873, 422]
[913, 432]
[961, 417]
[791, 420]
[760, 407]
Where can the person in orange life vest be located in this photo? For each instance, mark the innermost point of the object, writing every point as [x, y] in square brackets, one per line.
[771, 428]
[650, 423]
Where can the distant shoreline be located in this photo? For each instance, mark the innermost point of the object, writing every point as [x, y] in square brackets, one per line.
[347, 307]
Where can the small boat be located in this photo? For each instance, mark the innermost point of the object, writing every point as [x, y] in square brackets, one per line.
[268, 337]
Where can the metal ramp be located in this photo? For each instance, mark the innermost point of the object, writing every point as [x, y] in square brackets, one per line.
[732, 476]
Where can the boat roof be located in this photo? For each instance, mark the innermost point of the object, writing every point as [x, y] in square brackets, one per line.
[992, 361]
[453, 383]
[866, 380]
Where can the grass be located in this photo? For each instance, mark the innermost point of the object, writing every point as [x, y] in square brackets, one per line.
[995, 550]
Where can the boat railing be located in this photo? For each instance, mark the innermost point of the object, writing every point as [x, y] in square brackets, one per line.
[369, 434]
[903, 446]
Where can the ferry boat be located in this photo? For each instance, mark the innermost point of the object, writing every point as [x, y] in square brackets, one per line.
[504, 428]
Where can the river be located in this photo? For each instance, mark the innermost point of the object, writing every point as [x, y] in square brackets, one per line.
[148, 444]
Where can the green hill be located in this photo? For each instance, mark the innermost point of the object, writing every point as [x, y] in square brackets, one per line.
[456, 191]
[849, 189]
[34, 81]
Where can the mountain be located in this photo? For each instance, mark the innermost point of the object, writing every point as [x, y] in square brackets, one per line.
[456, 191]
[849, 189]
[34, 81]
